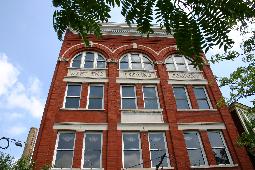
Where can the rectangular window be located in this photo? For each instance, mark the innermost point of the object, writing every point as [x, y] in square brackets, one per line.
[65, 149]
[202, 97]
[128, 97]
[195, 149]
[150, 97]
[131, 150]
[93, 150]
[96, 96]
[219, 147]
[158, 149]
[73, 95]
[181, 97]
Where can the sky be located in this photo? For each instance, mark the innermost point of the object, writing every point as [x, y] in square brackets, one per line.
[29, 50]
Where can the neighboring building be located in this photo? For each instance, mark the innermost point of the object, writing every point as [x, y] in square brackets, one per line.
[30, 143]
[241, 116]
[126, 100]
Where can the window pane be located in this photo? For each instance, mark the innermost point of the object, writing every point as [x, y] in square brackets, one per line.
[100, 64]
[93, 142]
[182, 104]
[88, 64]
[136, 66]
[151, 103]
[180, 93]
[146, 60]
[149, 92]
[66, 141]
[73, 90]
[200, 93]
[191, 140]
[100, 58]
[215, 139]
[96, 91]
[157, 141]
[135, 58]
[64, 159]
[128, 91]
[128, 104]
[179, 59]
[76, 63]
[203, 104]
[170, 67]
[156, 157]
[148, 66]
[95, 103]
[132, 159]
[92, 159]
[221, 156]
[196, 158]
[89, 56]
[170, 60]
[131, 141]
[72, 102]
[124, 59]
[181, 67]
[192, 68]
[123, 65]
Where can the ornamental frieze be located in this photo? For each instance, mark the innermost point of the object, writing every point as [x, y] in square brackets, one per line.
[185, 75]
[137, 74]
[86, 73]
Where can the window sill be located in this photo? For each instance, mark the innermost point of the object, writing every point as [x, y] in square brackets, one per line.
[143, 110]
[196, 110]
[185, 71]
[82, 109]
[215, 166]
[78, 68]
[145, 168]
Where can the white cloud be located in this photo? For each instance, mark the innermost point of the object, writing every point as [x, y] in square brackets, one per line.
[17, 130]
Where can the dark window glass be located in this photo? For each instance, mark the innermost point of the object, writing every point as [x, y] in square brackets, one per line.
[128, 91]
[151, 104]
[72, 102]
[136, 62]
[201, 97]
[96, 97]
[128, 103]
[196, 157]
[137, 66]
[150, 98]
[64, 159]
[77, 61]
[66, 141]
[73, 90]
[100, 64]
[181, 98]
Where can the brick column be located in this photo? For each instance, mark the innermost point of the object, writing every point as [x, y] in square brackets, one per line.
[78, 150]
[145, 149]
[207, 147]
[139, 95]
[192, 97]
[84, 95]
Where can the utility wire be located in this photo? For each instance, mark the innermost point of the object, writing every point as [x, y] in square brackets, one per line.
[8, 140]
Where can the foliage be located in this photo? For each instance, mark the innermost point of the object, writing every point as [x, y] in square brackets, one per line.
[5, 161]
[195, 24]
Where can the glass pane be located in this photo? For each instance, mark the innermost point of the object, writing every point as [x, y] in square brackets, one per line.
[179, 59]
[89, 57]
[128, 104]
[191, 140]
[181, 67]
[123, 65]
[92, 141]
[180, 93]
[88, 64]
[170, 67]
[128, 91]
[196, 157]
[100, 58]
[64, 159]
[72, 102]
[146, 60]
[170, 60]
[92, 159]
[221, 156]
[151, 104]
[66, 141]
[135, 58]
[156, 157]
[199, 92]
[100, 64]
[149, 92]
[124, 59]
[96, 91]
[148, 66]
[132, 159]
[73, 90]
[192, 68]
[76, 63]
[157, 141]
[203, 104]
[131, 141]
[182, 104]
[215, 139]
[95, 103]
[136, 66]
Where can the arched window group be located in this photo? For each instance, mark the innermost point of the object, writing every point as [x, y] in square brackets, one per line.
[178, 62]
[89, 60]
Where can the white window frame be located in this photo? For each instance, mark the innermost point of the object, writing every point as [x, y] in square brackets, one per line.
[84, 147]
[187, 95]
[201, 146]
[166, 148]
[88, 96]
[140, 149]
[121, 87]
[157, 97]
[56, 148]
[225, 146]
[83, 60]
[206, 94]
[187, 66]
[75, 84]
[130, 67]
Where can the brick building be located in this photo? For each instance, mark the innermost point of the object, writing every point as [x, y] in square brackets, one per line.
[126, 100]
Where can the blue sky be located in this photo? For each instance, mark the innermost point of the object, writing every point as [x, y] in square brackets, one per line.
[29, 49]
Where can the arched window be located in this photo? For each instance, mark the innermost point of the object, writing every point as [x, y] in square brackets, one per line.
[178, 62]
[88, 60]
[136, 61]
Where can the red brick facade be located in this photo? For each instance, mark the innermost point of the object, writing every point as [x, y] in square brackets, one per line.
[112, 47]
